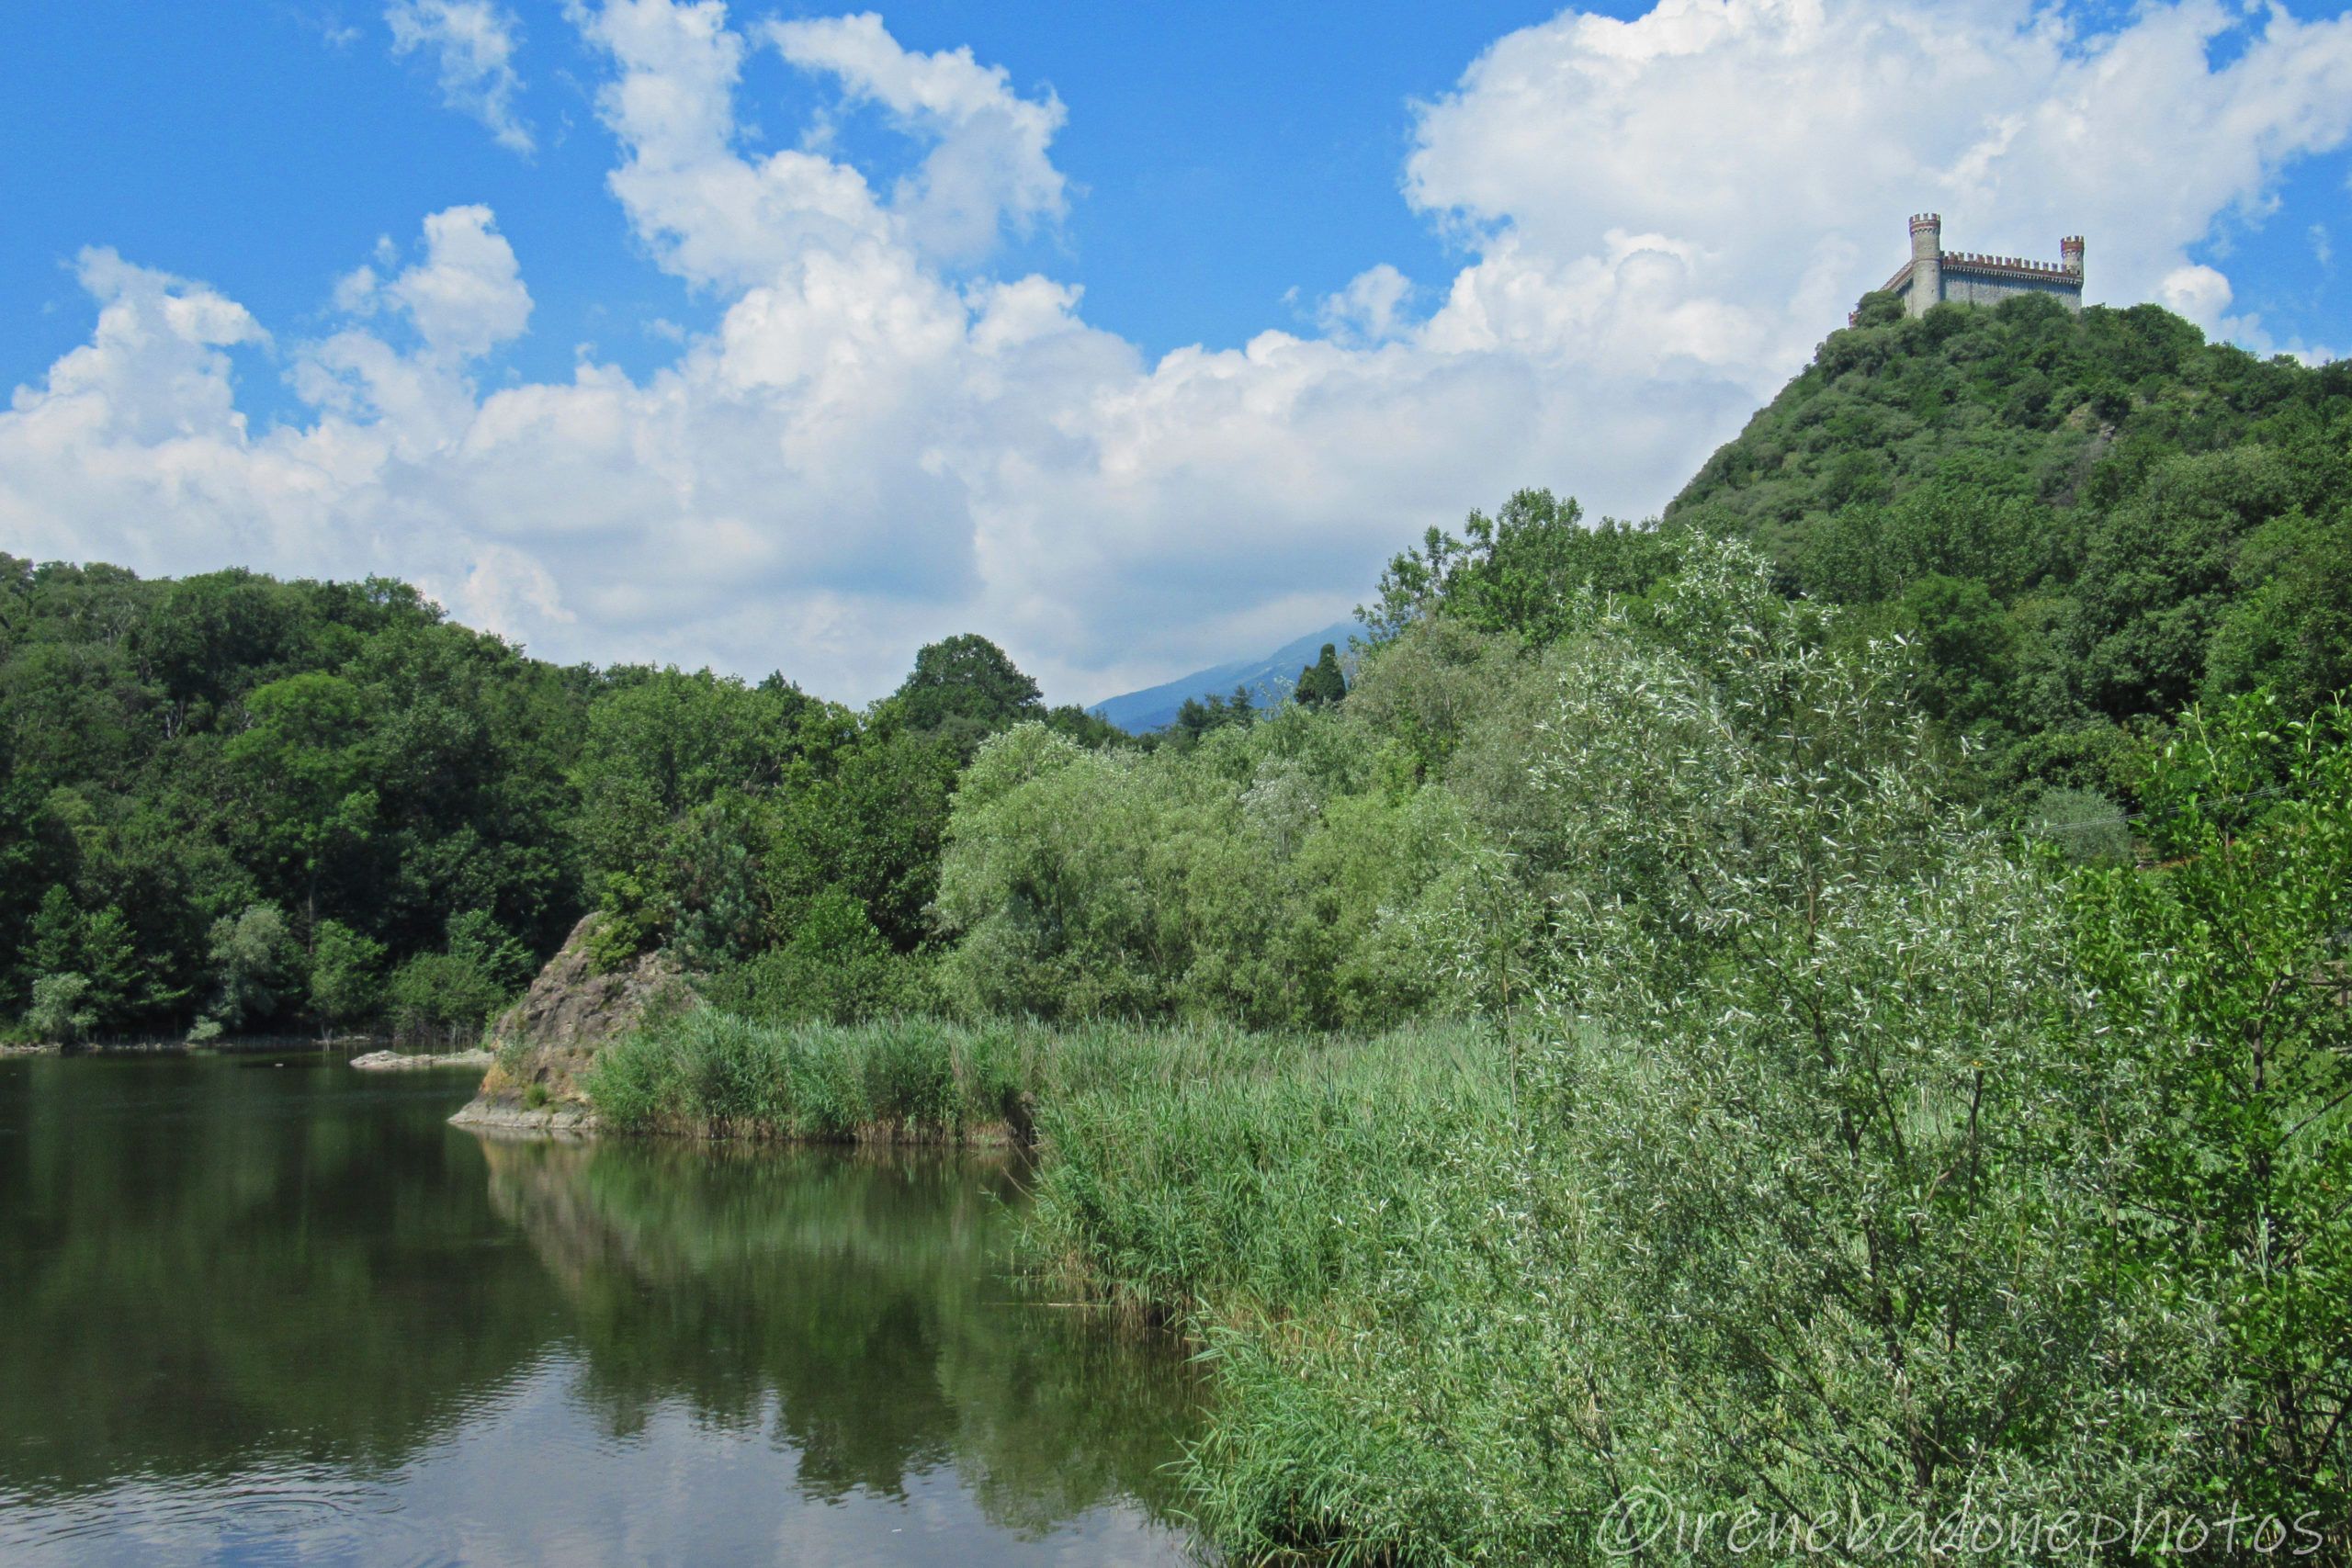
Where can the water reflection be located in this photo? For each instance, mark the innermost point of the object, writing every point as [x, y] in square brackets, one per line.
[258, 1313]
[202, 1262]
[853, 1306]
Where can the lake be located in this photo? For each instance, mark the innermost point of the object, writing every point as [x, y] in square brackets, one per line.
[261, 1309]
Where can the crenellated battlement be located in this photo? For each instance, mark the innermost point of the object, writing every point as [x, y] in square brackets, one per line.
[1974, 261]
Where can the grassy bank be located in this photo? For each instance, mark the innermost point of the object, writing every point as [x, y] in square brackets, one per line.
[712, 1074]
[1342, 1241]
[1259, 1190]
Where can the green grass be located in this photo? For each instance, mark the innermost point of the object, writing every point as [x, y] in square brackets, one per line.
[1261, 1184]
[1317, 1221]
[712, 1074]
[709, 1073]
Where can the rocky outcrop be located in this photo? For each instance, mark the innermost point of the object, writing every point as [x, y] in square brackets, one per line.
[544, 1044]
[414, 1061]
[485, 1114]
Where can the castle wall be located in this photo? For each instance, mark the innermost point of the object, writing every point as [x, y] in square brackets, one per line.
[1961, 288]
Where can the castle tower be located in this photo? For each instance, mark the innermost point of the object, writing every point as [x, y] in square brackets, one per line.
[2070, 256]
[1927, 262]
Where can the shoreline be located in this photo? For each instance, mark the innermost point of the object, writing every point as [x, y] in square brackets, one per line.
[574, 1120]
[233, 1046]
[410, 1062]
[483, 1113]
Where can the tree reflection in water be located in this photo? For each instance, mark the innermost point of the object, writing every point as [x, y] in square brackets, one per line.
[859, 1301]
[285, 1309]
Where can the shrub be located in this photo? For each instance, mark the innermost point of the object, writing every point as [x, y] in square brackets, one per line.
[2222, 1062]
[2082, 825]
[1787, 1197]
[253, 957]
[346, 975]
[834, 966]
[59, 1014]
[1268, 875]
[455, 993]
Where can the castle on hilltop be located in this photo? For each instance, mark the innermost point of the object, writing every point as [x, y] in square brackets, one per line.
[1934, 275]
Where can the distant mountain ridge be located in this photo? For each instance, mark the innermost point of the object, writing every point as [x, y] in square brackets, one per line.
[1268, 681]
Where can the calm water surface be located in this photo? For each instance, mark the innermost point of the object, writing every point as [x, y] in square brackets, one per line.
[264, 1314]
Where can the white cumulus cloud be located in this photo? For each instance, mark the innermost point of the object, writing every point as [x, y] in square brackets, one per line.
[472, 44]
[881, 442]
[988, 164]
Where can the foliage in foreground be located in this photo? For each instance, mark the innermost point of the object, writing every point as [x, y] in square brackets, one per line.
[1849, 1163]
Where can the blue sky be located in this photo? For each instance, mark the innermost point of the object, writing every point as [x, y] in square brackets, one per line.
[1227, 154]
[1192, 316]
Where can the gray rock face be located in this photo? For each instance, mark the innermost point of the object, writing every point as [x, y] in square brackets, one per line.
[546, 1041]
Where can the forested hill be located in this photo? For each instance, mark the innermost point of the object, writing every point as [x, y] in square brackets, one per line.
[233, 804]
[2085, 521]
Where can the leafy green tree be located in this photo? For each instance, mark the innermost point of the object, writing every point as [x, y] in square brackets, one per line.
[55, 943]
[478, 941]
[675, 771]
[2155, 583]
[303, 763]
[1964, 642]
[831, 964]
[967, 685]
[717, 883]
[109, 959]
[453, 995]
[59, 1014]
[1086, 729]
[346, 976]
[2290, 624]
[1773, 1213]
[253, 956]
[872, 830]
[1266, 873]
[181, 751]
[2225, 1062]
[2082, 825]
[1519, 570]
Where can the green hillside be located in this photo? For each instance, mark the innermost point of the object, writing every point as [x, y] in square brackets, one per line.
[2086, 522]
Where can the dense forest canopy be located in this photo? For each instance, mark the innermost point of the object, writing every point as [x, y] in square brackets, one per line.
[231, 803]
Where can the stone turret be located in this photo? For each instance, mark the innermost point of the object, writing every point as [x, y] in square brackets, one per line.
[1927, 262]
[2070, 256]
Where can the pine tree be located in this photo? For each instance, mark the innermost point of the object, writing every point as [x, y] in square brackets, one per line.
[55, 946]
[1321, 683]
[110, 958]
